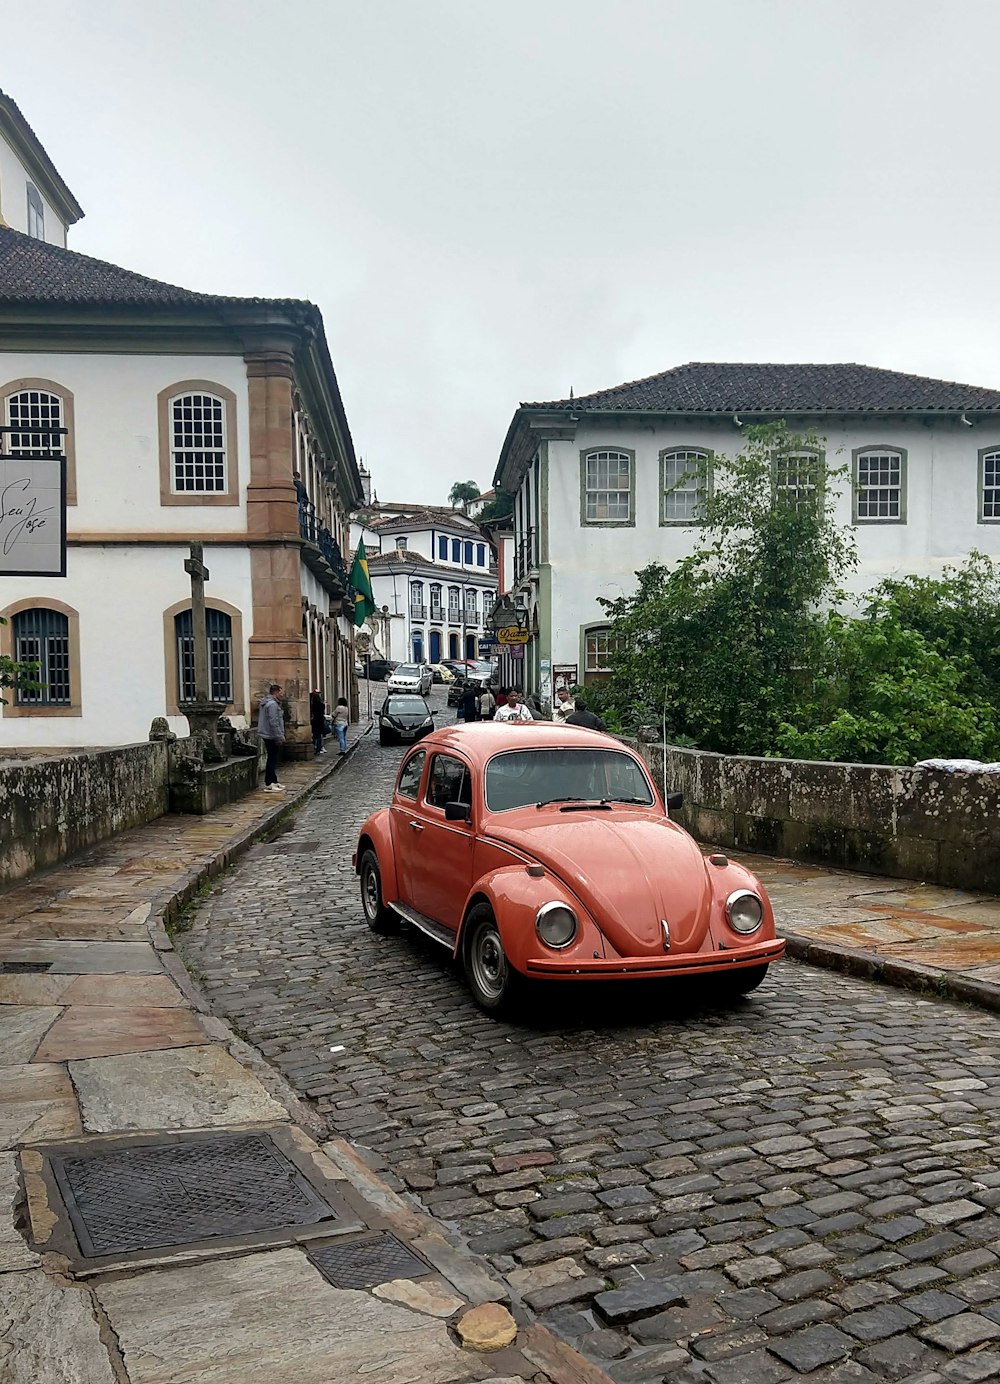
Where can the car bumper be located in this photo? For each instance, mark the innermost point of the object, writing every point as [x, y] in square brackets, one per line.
[653, 967]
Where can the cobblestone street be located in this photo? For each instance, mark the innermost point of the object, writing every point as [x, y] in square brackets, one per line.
[802, 1185]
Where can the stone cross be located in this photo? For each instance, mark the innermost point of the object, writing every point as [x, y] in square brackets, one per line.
[198, 572]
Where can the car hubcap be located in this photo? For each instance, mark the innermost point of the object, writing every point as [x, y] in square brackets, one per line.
[489, 965]
[370, 893]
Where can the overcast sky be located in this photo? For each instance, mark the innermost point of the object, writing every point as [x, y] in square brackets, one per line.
[494, 200]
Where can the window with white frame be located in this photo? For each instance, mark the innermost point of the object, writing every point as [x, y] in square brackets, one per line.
[36, 214]
[796, 478]
[442, 548]
[989, 486]
[454, 605]
[456, 550]
[880, 485]
[400, 543]
[35, 423]
[599, 646]
[198, 444]
[607, 481]
[480, 554]
[684, 474]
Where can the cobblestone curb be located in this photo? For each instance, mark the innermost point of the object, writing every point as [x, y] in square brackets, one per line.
[892, 970]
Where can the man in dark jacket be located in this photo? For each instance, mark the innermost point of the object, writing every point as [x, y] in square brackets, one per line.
[582, 717]
[271, 729]
[469, 705]
[317, 719]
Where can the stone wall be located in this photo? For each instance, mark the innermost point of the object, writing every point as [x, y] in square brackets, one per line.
[53, 807]
[912, 823]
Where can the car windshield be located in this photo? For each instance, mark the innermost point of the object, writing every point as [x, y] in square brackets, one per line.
[407, 670]
[405, 706]
[519, 778]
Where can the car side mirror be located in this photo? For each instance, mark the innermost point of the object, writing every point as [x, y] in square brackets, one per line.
[675, 801]
[456, 812]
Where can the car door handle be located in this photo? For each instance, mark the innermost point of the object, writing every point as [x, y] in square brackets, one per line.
[417, 826]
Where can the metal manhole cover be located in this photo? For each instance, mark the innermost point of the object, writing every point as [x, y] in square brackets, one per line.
[365, 1263]
[121, 1200]
[301, 847]
[24, 968]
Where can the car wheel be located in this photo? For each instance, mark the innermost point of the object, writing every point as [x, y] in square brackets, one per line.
[383, 739]
[742, 982]
[377, 916]
[494, 983]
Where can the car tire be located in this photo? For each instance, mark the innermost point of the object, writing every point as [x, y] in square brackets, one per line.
[377, 916]
[383, 739]
[495, 985]
[742, 982]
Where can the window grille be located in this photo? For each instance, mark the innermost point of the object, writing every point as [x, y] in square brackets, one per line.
[608, 495]
[198, 443]
[220, 655]
[42, 637]
[685, 474]
[796, 478]
[35, 423]
[991, 486]
[880, 485]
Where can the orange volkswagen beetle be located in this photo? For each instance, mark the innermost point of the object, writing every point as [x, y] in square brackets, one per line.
[544, 851]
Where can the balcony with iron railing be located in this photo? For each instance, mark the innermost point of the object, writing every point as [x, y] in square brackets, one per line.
[437, 613]
[417, 611]
[471, 615]
[321, 551]
[525, 554]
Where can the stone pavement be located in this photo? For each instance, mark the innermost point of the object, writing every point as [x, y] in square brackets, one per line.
[802, 1185]
[111, 1066]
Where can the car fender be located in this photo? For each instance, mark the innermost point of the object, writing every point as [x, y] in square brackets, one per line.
[725, 880]
[515, 898]
[377, 831]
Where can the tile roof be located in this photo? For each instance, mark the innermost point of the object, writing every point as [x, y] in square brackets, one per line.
[427, 517]
[701, 387]
[32, 272]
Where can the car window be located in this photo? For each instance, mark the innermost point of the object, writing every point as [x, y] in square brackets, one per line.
[521, 777]
[404, 706]
[408, 670]
[409, 775]
[449, 781]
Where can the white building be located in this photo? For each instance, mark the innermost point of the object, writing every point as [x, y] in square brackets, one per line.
[607, 483]
[33, 197]
[181, 416]
[433, 578]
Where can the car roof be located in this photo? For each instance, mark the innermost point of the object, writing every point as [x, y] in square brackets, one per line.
[482, 739]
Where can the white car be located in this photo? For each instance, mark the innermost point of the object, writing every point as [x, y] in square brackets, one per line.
[411, 677]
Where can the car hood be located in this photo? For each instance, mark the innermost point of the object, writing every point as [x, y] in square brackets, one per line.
[409, 719]
[631, 870]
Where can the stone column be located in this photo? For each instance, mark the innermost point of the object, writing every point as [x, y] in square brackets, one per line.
[277, 647]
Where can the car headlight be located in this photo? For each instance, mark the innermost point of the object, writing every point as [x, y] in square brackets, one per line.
[428, 720]
[555, 925]
[744, 911]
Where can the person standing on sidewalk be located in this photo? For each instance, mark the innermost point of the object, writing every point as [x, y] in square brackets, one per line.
[564, 704]
[271, 729]
[317, 719]
[341, 720]
[514, 710]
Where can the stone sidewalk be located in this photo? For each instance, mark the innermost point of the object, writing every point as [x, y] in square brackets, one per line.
[919, 936]
[110, 1062]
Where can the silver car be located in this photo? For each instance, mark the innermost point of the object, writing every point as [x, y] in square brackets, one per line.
[411, 677]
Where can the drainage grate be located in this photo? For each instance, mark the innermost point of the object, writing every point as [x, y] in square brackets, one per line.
[300, 847]
[24, 968]
[365, 1263]
[173, 1194]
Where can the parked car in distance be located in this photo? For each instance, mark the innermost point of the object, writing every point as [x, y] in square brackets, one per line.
[403, 717]
[457, 665]
[456, 689]
[442, 673]
[380, 668]
[541, 851]
[411, 677]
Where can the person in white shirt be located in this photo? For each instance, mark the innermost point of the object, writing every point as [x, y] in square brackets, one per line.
[515, 710]
[564, 705]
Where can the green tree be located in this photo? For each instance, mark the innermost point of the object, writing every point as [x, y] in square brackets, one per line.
[500, 507]
[16, 676]
[722, 644]
[462, 491]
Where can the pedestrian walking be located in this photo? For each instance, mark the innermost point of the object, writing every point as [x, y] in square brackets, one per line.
[564, 705]
[515, 710]
[341, 720]
[470, 702]
[589, 720]
[271, 729]
[317, 719]
[487, 704]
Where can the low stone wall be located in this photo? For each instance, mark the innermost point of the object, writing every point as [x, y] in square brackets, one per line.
[922, 824]
[53, 807]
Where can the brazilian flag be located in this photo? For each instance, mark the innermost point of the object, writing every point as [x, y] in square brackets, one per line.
[364, 601]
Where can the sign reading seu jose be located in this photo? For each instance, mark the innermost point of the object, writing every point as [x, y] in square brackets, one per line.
[32, 517]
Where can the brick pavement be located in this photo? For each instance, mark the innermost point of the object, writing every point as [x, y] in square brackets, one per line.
[802, 1185]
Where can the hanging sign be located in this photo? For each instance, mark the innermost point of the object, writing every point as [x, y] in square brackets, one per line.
[513, 634]
[32, 517]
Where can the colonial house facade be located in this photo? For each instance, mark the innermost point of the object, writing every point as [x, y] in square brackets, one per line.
[181, 417]
[434, 580]
[612, 481]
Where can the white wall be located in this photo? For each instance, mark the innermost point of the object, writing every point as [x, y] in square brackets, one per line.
[14, 179]
[117, 436]
[121, 594]
[592, 561]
